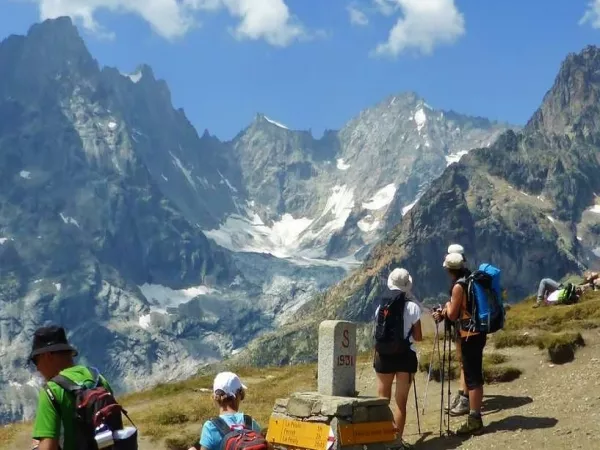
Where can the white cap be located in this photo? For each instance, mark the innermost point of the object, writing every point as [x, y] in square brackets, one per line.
[456, 248]
[228, 382]
[454, 261]
[400, 279]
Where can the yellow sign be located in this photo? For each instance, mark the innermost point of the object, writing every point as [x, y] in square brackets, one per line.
[297, 434]
[367, 433]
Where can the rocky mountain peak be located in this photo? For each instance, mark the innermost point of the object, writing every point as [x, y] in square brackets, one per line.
[572, 105]
[266, 123]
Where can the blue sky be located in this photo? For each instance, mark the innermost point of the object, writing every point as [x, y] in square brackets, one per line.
[314, 64]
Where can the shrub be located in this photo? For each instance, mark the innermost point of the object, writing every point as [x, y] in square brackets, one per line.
[171, 418]
[500, 374]
[181, 441]
[549, 340]
[507, 339]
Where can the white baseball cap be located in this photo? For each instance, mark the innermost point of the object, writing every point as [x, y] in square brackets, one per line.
[454, 261]
[400, 279]
[228, 382]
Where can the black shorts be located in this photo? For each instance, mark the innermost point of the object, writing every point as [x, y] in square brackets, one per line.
[406, 362]
[472, 359]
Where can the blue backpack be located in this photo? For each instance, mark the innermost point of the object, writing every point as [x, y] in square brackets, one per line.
[484, 300]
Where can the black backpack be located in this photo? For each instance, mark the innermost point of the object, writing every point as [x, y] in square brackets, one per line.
[389, 325]
[239, 437]
[95, 407]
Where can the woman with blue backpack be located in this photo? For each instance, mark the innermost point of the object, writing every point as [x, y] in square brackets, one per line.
[472, 342]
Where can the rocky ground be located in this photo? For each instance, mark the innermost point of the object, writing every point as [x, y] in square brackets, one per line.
[549, 406]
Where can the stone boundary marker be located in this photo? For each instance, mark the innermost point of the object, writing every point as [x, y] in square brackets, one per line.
[334, 417]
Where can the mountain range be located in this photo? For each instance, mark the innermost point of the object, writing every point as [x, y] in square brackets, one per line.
[529, 203]
[162, 250]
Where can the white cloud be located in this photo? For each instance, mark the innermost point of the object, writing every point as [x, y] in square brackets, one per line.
[424, 25]
[270, 20]
[386, 7]
[592, 14]
[265, 19]
[357, 17]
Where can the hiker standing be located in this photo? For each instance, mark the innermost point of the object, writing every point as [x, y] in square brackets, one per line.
[472, 343]
[397, 327]
[228, 393]
[459, 405]
[56, 422]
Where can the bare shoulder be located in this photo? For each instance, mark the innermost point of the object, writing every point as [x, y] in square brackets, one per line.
[457, 289]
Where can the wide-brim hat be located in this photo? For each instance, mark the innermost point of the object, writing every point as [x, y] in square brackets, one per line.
[50, 339]
[454, 261]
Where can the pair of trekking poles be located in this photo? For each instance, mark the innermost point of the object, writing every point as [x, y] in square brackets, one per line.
[445, 375]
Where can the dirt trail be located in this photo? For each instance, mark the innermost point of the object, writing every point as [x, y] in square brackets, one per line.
[547, 407]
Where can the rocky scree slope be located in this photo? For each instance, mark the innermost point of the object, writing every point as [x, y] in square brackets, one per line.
[529, 204]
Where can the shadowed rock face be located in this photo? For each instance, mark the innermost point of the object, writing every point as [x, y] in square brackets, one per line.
[85, 216]
[528, 203]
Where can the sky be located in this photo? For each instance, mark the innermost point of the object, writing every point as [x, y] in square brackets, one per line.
[315, 64]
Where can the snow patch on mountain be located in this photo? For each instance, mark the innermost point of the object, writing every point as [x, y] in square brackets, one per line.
[145, 321]
[368, 224]
[226, 181]
[455, 157]
[408, 207]
[187, 173]
[279, 124]
[69, 220]
[163, 297]
[341, 165]
[420, 119]
[135, 77]
[287, 236]
[250, 234]
[382, 198]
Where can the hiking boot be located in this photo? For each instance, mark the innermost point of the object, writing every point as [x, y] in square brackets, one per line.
[473, 426]
[537, 304]
[461, 408]
[454, 402]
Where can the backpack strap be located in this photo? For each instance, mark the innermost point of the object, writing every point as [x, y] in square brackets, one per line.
[66, 384]
[220, 425]
[52, 398]
[248, 422]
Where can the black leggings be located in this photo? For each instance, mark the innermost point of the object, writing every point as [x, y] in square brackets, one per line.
[472, 359]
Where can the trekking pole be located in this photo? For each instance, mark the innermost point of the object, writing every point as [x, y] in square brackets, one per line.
[435, 342]
[450, 340]
[417, 404]
[442, 369]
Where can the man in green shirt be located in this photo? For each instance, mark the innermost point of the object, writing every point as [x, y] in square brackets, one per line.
[53, 355]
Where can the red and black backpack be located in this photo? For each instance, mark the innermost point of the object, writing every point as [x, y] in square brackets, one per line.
[95, 407]
[239, 437]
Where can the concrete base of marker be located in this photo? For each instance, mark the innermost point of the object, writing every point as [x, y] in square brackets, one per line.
[352, 423]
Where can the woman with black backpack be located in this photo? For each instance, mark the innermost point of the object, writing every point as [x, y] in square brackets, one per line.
[397, 327]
